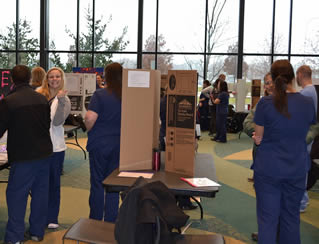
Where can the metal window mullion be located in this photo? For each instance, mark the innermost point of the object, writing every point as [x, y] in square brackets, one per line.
[241, 39]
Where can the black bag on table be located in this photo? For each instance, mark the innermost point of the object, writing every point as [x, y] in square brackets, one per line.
[148, 215]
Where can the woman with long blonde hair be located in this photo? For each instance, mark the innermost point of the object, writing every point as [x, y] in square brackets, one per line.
[53, 89]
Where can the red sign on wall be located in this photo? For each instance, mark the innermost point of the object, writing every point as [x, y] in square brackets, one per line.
[6, 84]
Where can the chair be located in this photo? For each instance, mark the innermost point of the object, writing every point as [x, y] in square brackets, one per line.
[90, 231]
[207, 239]
[99, 232]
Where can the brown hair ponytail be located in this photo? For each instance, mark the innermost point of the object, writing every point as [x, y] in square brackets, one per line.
[280, 95]
[282, 74]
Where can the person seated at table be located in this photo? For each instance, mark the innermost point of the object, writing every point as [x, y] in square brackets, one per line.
[53, 89]
[103, 123]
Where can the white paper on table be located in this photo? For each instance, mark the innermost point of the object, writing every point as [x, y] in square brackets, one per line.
[136, 174]
[138, 78]
[200, 182]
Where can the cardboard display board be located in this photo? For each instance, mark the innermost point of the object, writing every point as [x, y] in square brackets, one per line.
[140, 118]
[241, 91]
[255, 92]
[80, 89]
[163, 81]
[180, 122]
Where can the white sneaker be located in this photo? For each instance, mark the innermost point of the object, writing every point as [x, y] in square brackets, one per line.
[53, 226]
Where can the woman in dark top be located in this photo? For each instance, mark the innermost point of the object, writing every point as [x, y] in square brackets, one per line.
[103, 122]
[213, 95]
[282, 161]
[222, 102]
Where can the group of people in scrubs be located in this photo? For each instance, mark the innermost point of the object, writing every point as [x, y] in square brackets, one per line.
[281, 161]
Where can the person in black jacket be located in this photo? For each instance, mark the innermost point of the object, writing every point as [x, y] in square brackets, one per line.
[25, 114]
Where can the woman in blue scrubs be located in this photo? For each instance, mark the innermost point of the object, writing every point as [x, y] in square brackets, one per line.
[282, 161]
[222, 102]
[103, 122]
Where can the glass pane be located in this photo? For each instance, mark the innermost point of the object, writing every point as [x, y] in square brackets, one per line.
[116, 25]
[188, 62]
[256, 67]
[85, 60]
[149, 24]
[103, 59]
[313, 62]
[62, 24]
[7, 60]
[221, 64]
[148, 61]
[63, 60]
[257, 39]
[305, 30]
[128, 61]
[222, 26]
[182, 24]
[30, 59]
[86, 28]
[282, 23]
[7, 27]
[29, 25]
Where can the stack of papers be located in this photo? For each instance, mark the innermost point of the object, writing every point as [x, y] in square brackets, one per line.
[200, 182]
[136, 174]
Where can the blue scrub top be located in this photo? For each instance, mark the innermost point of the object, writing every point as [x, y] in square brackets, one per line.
[283, 150]
[222, 107]
[108, 123]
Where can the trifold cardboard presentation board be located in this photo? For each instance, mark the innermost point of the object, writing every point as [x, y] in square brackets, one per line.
[255, 92]
[80, 87]
[180, 122]
[140, 118]
[163, 81]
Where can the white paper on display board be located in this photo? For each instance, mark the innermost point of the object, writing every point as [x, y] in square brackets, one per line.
[72, 84]
[138, 78]
[241, 92]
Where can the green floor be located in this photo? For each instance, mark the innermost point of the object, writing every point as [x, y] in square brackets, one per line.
[231, 213]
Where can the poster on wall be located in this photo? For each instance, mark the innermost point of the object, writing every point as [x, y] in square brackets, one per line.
[97, 71]
[6, 84]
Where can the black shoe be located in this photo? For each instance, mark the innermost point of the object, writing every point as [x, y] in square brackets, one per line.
[188, 207]
[31, 237]
[254, 236]
[220, 141]
[213, 139]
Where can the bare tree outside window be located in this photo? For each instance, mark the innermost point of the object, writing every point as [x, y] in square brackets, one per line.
[164, 61]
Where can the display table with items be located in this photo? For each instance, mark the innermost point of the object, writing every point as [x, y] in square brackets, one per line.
[204, 167]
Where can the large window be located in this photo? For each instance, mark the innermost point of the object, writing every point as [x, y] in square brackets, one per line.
[238, 38]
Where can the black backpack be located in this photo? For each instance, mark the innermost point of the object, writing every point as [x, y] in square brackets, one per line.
[148, 215]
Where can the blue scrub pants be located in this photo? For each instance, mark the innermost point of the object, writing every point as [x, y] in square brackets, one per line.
[56, 163]
[103, 161]
[278, 202]
[221, 120]
[25, 177]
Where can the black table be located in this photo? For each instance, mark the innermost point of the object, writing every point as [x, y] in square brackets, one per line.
[204, 167]
[74, 129]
